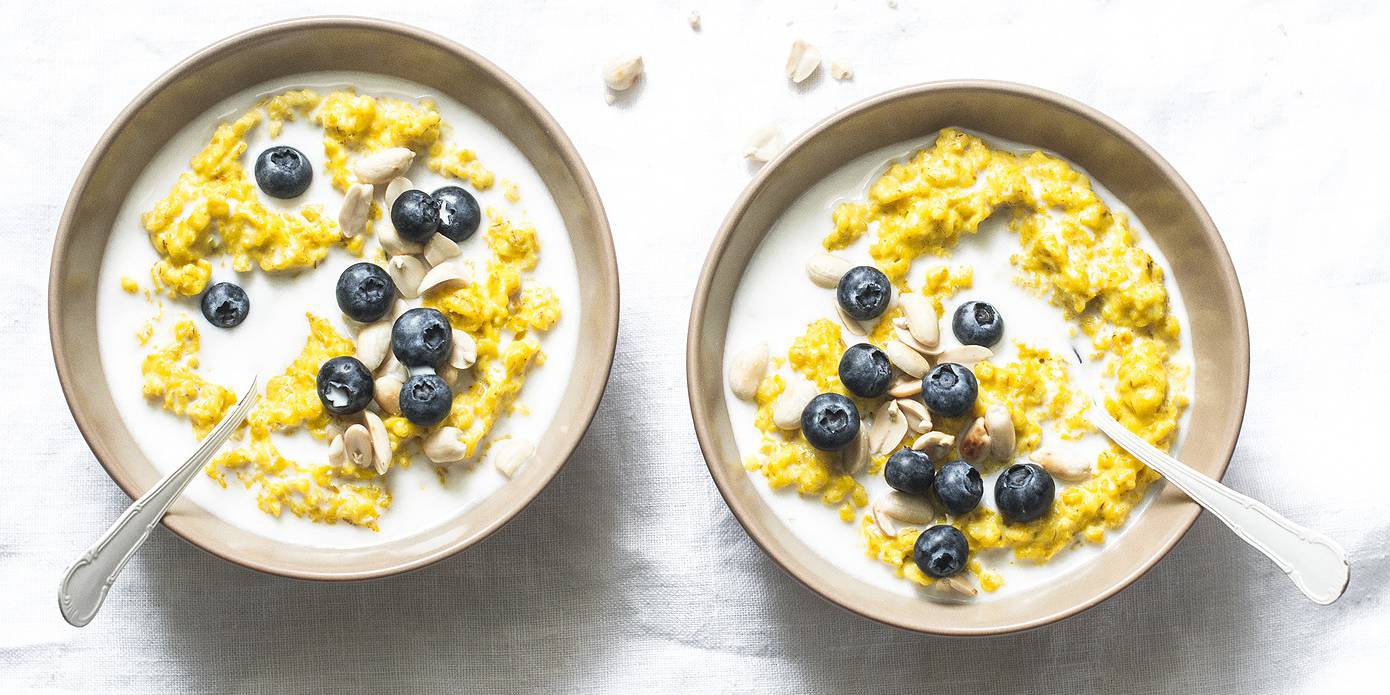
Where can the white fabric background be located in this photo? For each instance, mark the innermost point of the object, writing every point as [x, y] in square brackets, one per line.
[629, 573]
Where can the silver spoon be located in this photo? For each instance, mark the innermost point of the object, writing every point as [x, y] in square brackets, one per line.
[87, 581]
[1317, 565]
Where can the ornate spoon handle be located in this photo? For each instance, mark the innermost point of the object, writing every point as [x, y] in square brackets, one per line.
[1315, 563]
[87, 581]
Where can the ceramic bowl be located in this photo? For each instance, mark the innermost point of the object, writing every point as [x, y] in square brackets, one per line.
[254, 57]
[1117, 159]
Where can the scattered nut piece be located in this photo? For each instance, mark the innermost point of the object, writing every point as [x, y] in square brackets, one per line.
[922, 321]
[373, 342]
[1062, 466]
[398, 185]
[621, 72]
[391, 241]
[855, 457]
[786, 412]
[387, 393]
[905, 358]
[936, 445]
[444, 445]
[802, 61]
[357, 204]
[965, 355]
[508, 455]
[746, 370]
[694, 20]
[440, 248]
[383, 165]
[381, 442]
[764, 144]
[393, 367]
[850, 323]
[894, 509]
[1000, 426]
[465, 350]
[444, 275]
[337, 452]
[841, 72]
[825, 270]
[450, 374]
[974, 442]
[357, 442]
[918, 418]
[954, 586]
[888, 429]
[901, 333]
[407, 272]
[905, 387]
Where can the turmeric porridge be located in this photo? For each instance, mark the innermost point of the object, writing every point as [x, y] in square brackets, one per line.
[904, 362]
[386, 261]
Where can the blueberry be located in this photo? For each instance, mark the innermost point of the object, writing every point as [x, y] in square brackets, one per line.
[422, 338]
[949, 389]
[941, 551]
[345, 385]
[830, 421]
[1024, 492]
[415, 214]
[959, 487]
[865, 370]
[365, 292]
[425, 399]
[225, 305]
[910, 472]
[459, 214]
[283, 172]
[864, 292]
[977, 323]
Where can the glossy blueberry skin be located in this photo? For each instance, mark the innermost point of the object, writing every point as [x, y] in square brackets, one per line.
[365, 292]
[909, 472]
[978, 323]
[225, 305]
[959, 487]
[864, 292]
[941, 551]
[830, 421]
[950, 389]
[426, 399]
[459, 214]
[865, 370]
[345, 385]
[1024, 492]
[415, 215]
[283, 172]
[422, 337]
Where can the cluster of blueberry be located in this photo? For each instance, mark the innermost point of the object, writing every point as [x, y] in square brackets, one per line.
[421, 339]
[830, 422]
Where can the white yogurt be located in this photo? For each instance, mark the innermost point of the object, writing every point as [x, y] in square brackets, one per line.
[275, 331]
[775, 301]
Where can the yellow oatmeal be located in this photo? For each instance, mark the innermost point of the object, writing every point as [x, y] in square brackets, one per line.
[1075, 253]
[215, 209]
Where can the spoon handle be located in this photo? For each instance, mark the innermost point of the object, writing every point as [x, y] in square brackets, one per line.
[1315, 563]
[85, 585]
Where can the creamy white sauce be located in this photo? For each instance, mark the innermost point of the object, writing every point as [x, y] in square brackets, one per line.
[275, 331]
[775, 301]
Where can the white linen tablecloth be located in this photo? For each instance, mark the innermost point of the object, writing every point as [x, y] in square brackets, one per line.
[628, 573]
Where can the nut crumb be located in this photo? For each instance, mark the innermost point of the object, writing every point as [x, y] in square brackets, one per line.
[621, 72]
[802, 62]
[694, 20]
[841, 72]
[764, 145]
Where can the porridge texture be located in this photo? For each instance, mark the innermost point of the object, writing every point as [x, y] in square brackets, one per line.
[1072, 251]
[214, 210]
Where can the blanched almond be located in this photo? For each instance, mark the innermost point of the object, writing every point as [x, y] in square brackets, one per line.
[373, 342]
[802, 61]
[954, 586]
[935, 445]
[1000, 425]
[893, 509]
[922, 321]
[357, 205]
[887, 430]
[387, 394]
[965, 355]
[337, 451]
[905, 336]
[855, 457]
[918, 418]
[464, 352]
[444, 275]
[974, 442]
[444, 445]
[1062, 465]
[357, 442]
[440, 248]
[391, 241]
[407, 272]
[905, 387]
[381, 442]
[398, 185]
[905, 358]
[825, 270]
[786, 412]
[850, 323]
[746, 370]
[509, 455]
[764, 144]
[383, 165]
